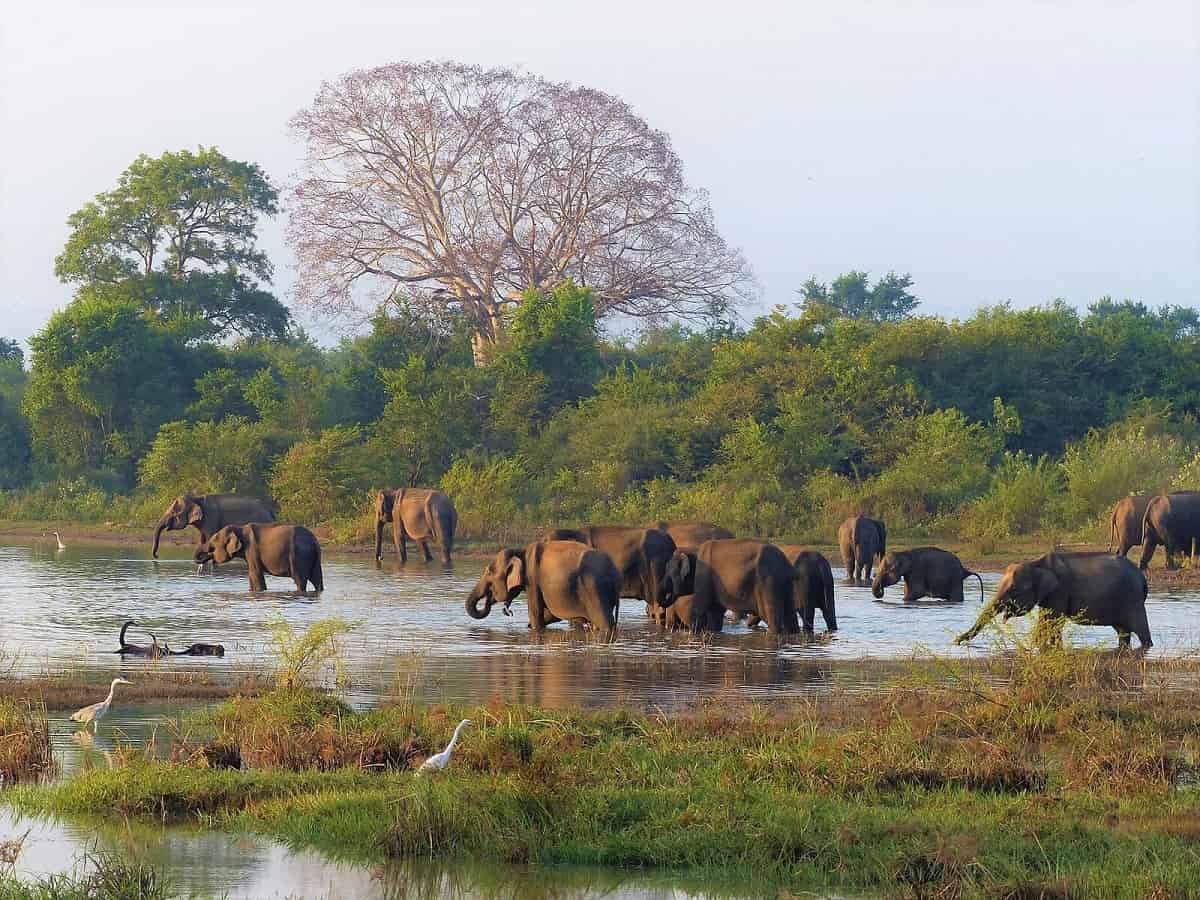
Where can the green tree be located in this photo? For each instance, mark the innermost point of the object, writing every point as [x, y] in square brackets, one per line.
[15, 446]
[852, 295]
[205, 457]
[324, 477]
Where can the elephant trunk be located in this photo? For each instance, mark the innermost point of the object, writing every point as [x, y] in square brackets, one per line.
[163, 525]
[379, 537]
[473, 609]
[989, 612]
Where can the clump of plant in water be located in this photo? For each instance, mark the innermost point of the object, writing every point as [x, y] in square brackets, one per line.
[104, 876]
[24, 742]
[302, 656]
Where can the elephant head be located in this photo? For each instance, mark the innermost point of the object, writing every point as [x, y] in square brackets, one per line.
[222, 546]
[894, 567]
[1024, 586]
[184, 510]
[501, 582]
[679, 578]
[385, 503]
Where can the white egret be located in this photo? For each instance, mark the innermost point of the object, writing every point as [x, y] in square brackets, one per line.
[439, 760]
[58, 537]
[94, 713]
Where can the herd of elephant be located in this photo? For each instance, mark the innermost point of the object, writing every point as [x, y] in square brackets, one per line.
[694, 575]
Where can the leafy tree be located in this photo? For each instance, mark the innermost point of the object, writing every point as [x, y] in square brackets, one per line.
[10, 352]
[323, 477]
[852, 295]
[15, 447]
[203, 457]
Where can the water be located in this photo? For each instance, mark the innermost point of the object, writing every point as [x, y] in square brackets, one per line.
[63, 611]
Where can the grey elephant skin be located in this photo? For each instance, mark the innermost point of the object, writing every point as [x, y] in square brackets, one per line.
[861, 540]
[423, 514]
[814, 585]
[1172, 520]
[1091, 588]
[927, 572]
[562, 581]
[689, 535]
[209, 513]
[640, 555]
[286, 551]
[738, 575]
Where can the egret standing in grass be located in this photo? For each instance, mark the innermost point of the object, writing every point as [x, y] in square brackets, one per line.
[94, 713]
[439, 761]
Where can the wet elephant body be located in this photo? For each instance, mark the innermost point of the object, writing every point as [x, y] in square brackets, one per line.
[1125, 523]
[927, 572]
[209, 513]
[423, 514]
[641, 556]
[861, 540]
[1172, 520]
[1090, 588]
[689, 535]
[814, 586]
[286, 551]
[741, 576]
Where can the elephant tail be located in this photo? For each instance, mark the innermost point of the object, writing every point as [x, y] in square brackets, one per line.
[967, 573]
[436, 526]
[1112, 529]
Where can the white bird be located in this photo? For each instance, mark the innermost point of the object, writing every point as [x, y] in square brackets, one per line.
[94, 713]
[57, 537]
[439, 760]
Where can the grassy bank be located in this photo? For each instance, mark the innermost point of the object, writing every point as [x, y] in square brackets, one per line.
[71, 690]
[1076, 780]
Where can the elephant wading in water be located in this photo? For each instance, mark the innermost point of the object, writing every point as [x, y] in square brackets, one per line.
[742, 576]
[209, 513]
[640, 555]
[861, 541]
[814, 586]
[287, 551]
[562, 580]
[419, 513]
[690, 535]
[1090, 588]
[1172, 520]
[927, 572]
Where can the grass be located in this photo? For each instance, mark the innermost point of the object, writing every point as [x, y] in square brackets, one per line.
[24, 742]
[103, 877]
[71, 690]
[1078, 778]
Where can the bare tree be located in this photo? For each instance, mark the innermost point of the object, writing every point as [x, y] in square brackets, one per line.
[478, 184]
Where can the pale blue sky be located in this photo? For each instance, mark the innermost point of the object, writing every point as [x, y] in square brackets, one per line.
[997, 150]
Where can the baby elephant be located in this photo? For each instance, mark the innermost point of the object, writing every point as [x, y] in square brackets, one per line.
[288, 551]
[927, 572]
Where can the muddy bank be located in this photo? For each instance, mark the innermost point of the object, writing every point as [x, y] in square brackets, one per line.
[72, 690]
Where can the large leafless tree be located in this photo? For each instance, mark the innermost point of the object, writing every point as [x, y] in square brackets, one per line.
[473, 185]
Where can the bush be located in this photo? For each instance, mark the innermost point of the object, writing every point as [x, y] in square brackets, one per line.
[1025, 497]
[319, 479]
[488, 496]
[233, 455]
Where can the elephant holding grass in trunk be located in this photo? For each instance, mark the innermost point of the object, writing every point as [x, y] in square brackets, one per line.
[209, 513]
[690, 535]
[1090, 588]
[286, 551]
[927, 572]
[640, 555]
[1172, 520]
[562, 580]
[418, 513]
[861, 541]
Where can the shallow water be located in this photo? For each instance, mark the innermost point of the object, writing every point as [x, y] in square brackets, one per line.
[63, 611]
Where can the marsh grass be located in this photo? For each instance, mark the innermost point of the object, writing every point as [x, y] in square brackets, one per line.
[24, 742]
[103, 876]
[71, 690]
[301, 656]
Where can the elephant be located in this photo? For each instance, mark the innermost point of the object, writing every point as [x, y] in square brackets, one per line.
[640, 555]
[927, 572]
[739, 575]
[861, 541]
[422, 514]
[209, 513]
[814, 585]
[690, 535]
[1172, 520]
[562, 580]
[287, 551]
[1125, 523]
[1091, 588]
[679, 613]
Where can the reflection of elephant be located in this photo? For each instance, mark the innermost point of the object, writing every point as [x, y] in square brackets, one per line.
[814, 585]
[562, 580]
[209, 513]
[418, 513]
[690, 535]
[640, 554]
[861, 540]
[1172, 520]
[1092, 588]
[742, 576]
[927, 572]
[287, 551]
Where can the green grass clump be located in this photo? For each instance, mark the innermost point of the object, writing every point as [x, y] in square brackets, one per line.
[105, 877]
[24, 742]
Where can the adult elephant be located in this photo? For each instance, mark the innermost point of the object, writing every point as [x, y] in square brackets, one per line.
[738, 575]
[689, 535]
[814, 585]
[423, 514]
[927, 572]
[1090, 588]
[640, 555]
[1172, 520]
[209, 513]
[288, 551]
[1125, 523]
[562, 580]
[862, 541]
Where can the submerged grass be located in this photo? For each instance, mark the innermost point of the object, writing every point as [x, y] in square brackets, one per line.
[1078, 778]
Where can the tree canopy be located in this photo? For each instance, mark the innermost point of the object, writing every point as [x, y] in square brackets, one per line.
[852, 295]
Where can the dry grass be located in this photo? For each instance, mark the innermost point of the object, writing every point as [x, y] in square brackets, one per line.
[25, 752]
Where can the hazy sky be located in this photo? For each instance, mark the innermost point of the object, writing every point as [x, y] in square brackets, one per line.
[997, 150]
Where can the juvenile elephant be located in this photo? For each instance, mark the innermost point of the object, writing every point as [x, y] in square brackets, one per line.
[927, 572]
[287, 551]
[422, 514]
[562, 580]
[209, 513]
[640, 555]
[1091, 588]
[690, 535]
[742, 576]
[814, 586]
[861, 541]
[1172, 520]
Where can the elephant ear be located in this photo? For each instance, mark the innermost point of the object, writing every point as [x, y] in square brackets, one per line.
[233, 542]
[685, 565]
[1045, 583]
[196, 516]
[516, 573]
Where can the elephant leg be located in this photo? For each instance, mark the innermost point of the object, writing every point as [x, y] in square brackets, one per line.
[851, 568]
[400, 539]
[537, 612]
[424, 547]
[956, 592]
[257, 581]
[1122, 637]
[910, 591]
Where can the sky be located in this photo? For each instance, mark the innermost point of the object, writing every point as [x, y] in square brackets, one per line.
[998, 150]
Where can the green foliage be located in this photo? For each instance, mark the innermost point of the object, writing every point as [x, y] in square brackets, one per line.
[232, 455]
[488, 495]
[102, 876]
[16, 450]
[324, 477]
[1025, 497]
[300, 657]
[852, 295]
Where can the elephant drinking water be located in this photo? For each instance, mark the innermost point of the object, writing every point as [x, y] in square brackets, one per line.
[209, 513]
[927, 572]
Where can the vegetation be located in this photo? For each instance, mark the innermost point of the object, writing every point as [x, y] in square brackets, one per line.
[24, 742]
[104, 876]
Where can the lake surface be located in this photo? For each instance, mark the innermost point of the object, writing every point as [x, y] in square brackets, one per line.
[63, 611]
